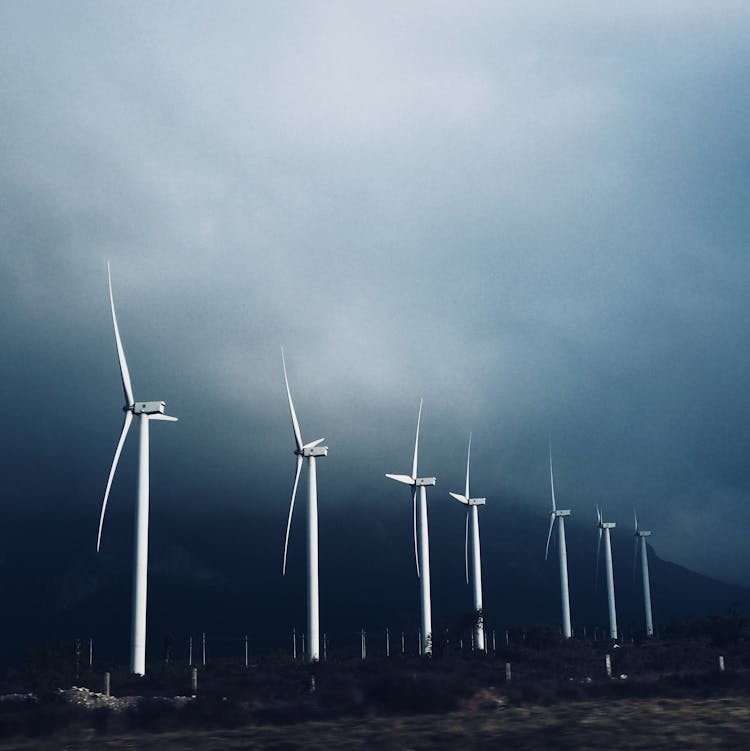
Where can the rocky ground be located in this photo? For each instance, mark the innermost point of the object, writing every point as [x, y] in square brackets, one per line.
[620, 724]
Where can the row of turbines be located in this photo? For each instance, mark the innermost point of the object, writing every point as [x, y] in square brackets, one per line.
[146, 411]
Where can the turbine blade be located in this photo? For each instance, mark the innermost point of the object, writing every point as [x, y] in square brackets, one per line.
[291, 509]
[416, 443]
[416, 549]
[165, 418]
[549, 535]
[598, 552]
[295, 424]
[466, 547]
[598, 517]
[118, 450]
[635, 557]
[127, 387]
[468, 461]
[635, 520]
[313, 444]
[401, 478]
[551, 478]
[459, 497]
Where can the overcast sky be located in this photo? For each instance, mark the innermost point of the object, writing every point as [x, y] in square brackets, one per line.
[534, 215]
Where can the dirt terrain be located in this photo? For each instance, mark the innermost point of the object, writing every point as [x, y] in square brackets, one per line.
[722, 723]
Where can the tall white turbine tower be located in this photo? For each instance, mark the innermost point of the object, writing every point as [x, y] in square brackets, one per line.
[146, 411]
[640, 537]
[605, 527]
[310, 451]
[558, 515]
[472, 520]
[421, 539]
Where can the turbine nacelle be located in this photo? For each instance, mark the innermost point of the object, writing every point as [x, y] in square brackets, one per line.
[561, 512]
[425, 481]
[313, 451]
[147, 408]
[643, 533]
[607, 525]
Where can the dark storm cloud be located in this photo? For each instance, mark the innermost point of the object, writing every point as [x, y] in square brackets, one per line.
[536, 219]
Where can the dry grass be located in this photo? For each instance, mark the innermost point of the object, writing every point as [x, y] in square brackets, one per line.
[589, 725]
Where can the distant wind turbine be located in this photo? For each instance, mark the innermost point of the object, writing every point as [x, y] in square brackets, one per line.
[472, 520]
[605, 527]
[421, 539]
[310, 451]
[640, 536]
[146, 411]
[558, 515]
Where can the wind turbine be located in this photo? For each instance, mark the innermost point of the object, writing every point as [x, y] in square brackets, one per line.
[146, 411]
[472, 519]
[640, 536]
[421, 539]
[558, 515]
[310, 451]
[606, 527]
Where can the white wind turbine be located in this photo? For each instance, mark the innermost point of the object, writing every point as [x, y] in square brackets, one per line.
[421, 539]
[146, 411]
[558, 515]
[640, 536]
[310, 451]
[472, 519]
[606, 527]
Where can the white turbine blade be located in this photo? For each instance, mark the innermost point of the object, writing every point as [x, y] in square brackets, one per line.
[416, 443]
[598, 516]
[416, 550]
[635, 557]
[551, 478]
[459, 497]
[598, 553]
[295, 424]
[635, 519]
[401, 478]
[466, 546]
[165, 418]
[313, 444]
[127, 387]
[468, 461]
[291, 509]
[549, 535]
[118, 450]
